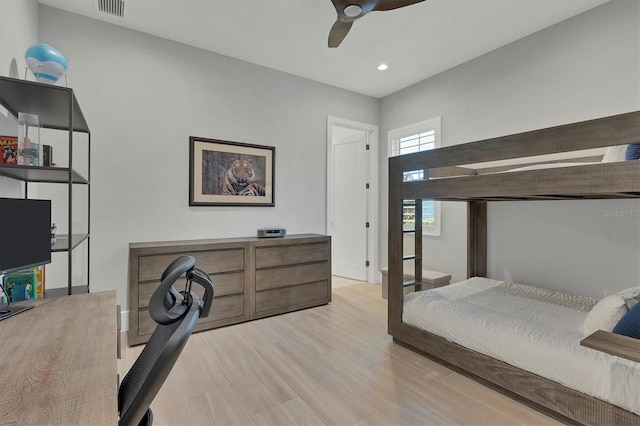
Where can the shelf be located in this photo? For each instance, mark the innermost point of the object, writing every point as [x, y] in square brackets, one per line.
[62, 242]
[41, 174]
[409, 283]
[64, 291]
[614, 344]
[57, 108]
[409, 257]
[50, 103]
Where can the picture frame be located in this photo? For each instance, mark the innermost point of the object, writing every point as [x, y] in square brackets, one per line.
[225, 173]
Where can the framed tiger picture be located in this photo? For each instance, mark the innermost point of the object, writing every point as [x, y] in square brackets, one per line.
[223, 173]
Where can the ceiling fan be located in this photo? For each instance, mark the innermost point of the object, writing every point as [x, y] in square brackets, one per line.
[350, 10]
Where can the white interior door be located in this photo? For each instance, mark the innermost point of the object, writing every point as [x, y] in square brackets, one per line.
[349, 216]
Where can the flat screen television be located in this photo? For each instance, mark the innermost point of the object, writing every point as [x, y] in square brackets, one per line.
[25, 233]
[25, 240]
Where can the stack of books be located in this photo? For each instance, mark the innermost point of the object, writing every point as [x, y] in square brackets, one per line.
[22, 285]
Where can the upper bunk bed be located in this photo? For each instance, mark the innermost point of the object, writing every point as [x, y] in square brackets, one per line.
[596, 180]
[457, 173]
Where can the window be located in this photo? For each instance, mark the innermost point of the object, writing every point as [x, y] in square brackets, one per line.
[415, 143]
[418, 137]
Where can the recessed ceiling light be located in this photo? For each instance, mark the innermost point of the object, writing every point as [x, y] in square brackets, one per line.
[383, 67]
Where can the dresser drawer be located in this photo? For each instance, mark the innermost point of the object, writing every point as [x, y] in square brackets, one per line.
[211, 262]
[291, 298]
[278, 255]
[223, 284]
[223, 308]
[291, 275]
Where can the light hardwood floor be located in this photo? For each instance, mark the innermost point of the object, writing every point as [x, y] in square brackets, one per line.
[333, 364]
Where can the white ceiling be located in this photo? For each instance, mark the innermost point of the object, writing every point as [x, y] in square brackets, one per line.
[416, 42]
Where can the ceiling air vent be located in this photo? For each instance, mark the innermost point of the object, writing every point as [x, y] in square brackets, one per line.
[112, 7]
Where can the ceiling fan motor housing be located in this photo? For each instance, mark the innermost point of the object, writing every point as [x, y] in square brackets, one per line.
[352, 10]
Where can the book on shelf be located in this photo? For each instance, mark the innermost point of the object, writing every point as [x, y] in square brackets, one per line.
[20, 285]
[27, 284]
[39, 294]
[8, 149]
[47, 155]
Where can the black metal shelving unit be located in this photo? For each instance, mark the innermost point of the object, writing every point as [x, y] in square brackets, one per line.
[57, 108]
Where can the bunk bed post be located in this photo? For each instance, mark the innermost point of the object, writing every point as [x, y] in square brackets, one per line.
[476, 239]
[417, 239]
[395, 237]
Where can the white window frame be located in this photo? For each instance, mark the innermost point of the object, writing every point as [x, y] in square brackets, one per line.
[394, 136]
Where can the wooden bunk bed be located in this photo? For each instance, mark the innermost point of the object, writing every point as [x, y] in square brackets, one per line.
[589, 181]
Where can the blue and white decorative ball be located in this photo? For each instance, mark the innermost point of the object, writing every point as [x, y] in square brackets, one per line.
[46, 62]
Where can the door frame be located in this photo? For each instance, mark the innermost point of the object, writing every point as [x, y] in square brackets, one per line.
[373, 273]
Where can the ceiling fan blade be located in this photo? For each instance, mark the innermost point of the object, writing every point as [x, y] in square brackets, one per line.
[338, 32]
[394, 4]
[341, 4]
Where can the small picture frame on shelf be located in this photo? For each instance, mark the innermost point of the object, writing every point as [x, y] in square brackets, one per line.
[9, 149]
[223, 173]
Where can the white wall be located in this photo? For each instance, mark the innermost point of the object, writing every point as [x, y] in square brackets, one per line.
[582, 68]
[18, 31]
[144, 96]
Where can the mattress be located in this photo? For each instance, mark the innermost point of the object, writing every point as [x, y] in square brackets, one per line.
[531, 328]
[546, 166]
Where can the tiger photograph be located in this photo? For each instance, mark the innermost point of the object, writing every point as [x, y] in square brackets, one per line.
[231, 173]
[240, 179]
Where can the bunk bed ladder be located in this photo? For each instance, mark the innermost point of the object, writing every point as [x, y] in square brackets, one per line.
[417, 240]
[417, 249]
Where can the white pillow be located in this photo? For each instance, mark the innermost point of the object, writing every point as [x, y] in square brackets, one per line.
[629, 293]
[605, 314]
[615, 153]
[631, 296]
[632, 302]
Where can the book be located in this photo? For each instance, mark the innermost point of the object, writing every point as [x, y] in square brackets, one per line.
[21, 285]
[47, 155]
[39, 287]
[3, 296]
[8, 149]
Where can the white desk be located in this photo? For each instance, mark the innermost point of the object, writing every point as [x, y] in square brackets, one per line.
[58, 362]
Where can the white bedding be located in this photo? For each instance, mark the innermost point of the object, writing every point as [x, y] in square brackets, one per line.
[531, 328]
[543, 166]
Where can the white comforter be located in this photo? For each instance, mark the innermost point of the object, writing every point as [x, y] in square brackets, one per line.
[531, 328]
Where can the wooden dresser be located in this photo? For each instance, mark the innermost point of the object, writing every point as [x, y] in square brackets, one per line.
[253, 278]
